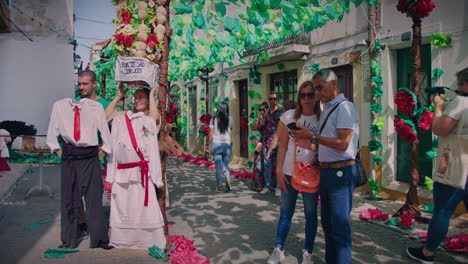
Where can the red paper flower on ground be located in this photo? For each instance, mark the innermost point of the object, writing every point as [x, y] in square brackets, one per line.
[152, 41]
[405, 102]
[418, 8]
[405, 130]
[205, 119]
[458, 243]
[426, 119]
[206, 130]
[374, 214]
[126, 17]
[406, 220]
[243, 123]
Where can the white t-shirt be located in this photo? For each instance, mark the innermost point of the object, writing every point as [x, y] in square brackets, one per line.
[309, 122]
[217, 136]
[455, 109]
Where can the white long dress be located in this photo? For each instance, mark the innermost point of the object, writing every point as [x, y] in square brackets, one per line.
[133, 224]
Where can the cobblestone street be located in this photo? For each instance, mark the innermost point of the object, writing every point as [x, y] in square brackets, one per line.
[237, 227]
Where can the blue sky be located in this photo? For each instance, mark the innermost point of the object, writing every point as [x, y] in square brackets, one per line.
[87, 32]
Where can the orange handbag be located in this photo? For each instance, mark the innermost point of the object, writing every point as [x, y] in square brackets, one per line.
[306, 176]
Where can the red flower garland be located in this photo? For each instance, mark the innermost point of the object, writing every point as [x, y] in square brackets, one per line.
[425, 121]
[126, 17]
[173, 107]
[416, 8]
[205, 119]
[405, 102]
[206, 130]
[171, 117]
[171, 95]
[405, 130]
[152, 41]
[126, 40]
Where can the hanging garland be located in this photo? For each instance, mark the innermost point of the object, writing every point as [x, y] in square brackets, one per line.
[415, 8]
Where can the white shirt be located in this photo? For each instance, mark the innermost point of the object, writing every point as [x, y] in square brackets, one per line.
[123, 151]
[3, 143]
[92, 120]
[309, 122]
[456, 109]
[217, 136]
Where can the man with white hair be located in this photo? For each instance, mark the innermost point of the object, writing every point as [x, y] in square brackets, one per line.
[337, 143]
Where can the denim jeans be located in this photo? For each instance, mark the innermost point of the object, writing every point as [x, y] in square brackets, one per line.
[446, 199]
[268, 167]
[221, 155]
[336, 193]
[288, 205]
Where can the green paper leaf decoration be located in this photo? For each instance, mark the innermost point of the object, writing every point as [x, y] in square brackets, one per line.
[198, 20]
[375, 145]
[315, 67]
[232, 24]
[428, 207]
[429, 183]
[251, 94]
[226, 99]
[373, 185]
[253, 137]
[377, 92]
[375, 131]
[256, 107]
[436, 74]
[441, 40]
[431, 154]
[376, 107]
[251, 123]
[250, 164]
[380, 123]
[377, 46]
[393, 222]
[435, 142]
[181, 8]
[377, 159]
[221, 9]
[330, 11]
[258, 95]
[280, 66]
[202, 106]
[377, 80]
[251, 148]
[376, 70]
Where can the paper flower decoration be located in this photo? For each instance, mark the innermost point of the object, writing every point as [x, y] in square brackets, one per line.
[373, 214]
[376, 107]
[152, 41]
[417, 9]
[205, 119]
[405, 128]
[375, 131]
[425, 120]
[458, 243]
[126, 17]
[206, 130]
[171, 95]
[406, 101]
[171, 117]
[406, 220]
[377, 159]
[375, 145]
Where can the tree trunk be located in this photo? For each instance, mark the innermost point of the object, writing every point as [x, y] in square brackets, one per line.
[163, 89]
[412, 202]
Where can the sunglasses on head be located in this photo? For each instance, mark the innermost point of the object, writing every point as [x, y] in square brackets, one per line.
[273, 98]
[318, 87]
[309, 95]
[262, 110]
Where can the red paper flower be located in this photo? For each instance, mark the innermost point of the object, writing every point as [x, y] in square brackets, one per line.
[126, 17]
[458, 243]
[173, 107]
[243, 123]
[126, 40]
[374, 214]
[204, 79]
[418, 8]
[152, 41]
[406, 220]
[206, 130]
[405, 102]
[171, 95]
[205, 119]
[405, 130]
[171, 117]
[426, 119]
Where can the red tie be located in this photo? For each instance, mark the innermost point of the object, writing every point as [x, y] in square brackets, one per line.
[76, 130]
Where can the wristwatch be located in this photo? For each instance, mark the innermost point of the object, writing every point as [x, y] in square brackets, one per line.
[314, 139]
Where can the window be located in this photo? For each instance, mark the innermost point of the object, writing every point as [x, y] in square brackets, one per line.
[285, 84]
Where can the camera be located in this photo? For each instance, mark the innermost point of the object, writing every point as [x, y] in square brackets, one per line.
[436, 90]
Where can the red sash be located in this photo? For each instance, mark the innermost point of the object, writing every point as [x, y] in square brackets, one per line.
[142, 163]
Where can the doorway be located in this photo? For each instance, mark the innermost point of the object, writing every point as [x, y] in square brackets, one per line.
[243, 113]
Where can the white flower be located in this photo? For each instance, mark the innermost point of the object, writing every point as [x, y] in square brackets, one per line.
[128, 29]
[151, 3]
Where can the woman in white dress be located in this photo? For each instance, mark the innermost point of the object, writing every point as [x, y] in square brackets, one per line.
[4, 153]
[134, 168]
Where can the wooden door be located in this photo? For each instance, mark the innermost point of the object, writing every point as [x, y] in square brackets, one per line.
[345, 80]
[243, 113]
[193, 126]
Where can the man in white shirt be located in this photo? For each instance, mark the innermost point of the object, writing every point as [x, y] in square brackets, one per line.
[78, 123]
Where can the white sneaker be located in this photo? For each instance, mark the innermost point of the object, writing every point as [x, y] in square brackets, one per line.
[278, 192]
[307, 258]
[276, 256]
[265, 190]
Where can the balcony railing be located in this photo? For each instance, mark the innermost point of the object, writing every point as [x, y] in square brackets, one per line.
[303, 39]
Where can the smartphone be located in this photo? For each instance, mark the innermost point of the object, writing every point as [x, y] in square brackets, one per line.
[293, 126]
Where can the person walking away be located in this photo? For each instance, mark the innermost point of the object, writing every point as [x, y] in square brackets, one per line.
[306, 114]
[134, 169]
[269, 127]
[78, 123]
[221, 147]
[337, 148]
[447, 118]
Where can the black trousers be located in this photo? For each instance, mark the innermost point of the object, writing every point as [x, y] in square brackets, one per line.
[82, 176]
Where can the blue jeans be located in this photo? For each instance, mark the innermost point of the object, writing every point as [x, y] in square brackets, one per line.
[221, 155]
[288, 205]
[268, 167]
[446, 199]
[336, 193]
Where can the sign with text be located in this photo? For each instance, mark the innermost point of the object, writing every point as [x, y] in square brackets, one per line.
[130, 69]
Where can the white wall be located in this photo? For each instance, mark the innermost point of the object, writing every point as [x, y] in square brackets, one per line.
[33, 75]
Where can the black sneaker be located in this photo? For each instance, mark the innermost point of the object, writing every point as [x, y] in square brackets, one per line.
[417, 254]
[227, 188]
[219, 189]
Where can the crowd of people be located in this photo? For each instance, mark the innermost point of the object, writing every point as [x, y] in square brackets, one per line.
[320, 129]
